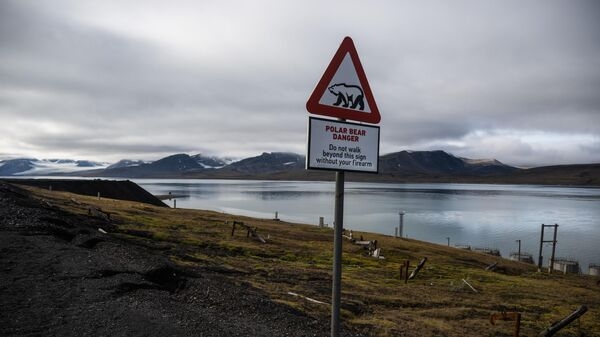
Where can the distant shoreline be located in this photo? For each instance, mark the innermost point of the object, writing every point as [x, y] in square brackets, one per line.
[568, 181]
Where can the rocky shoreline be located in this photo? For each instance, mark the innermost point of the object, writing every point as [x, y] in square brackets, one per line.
[66, 275]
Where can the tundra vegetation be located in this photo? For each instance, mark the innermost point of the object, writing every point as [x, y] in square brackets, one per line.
[453, 295]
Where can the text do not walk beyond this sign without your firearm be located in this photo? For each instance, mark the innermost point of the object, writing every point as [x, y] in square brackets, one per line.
[335, 145]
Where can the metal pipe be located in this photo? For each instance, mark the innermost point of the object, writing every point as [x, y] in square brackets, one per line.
[564, 322]
[553, 249]
[540, 256]
[401, 227]
[336, 291]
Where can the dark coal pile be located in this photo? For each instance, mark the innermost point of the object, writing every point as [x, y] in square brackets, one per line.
[61, 276]
[113, 189]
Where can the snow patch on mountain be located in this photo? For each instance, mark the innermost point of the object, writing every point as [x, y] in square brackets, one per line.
[27, 167]
[482, 161]
[127, 163]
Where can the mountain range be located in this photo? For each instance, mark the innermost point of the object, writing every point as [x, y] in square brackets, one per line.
[403, 166]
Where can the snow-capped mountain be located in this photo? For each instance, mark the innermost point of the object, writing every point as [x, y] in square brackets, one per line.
[403, 166]
[178, 165]
[127, 163]
[38, 167]
[212, 162]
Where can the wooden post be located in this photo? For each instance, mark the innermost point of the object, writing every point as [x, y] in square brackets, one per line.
[406, 273]
[507, 316]
[233, 229]
[491, 266]
[470, 286]
[419, 266]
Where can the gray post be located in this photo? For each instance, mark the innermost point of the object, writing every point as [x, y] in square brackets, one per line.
[98, 195]
[396, 232]
[553, 249]
[519, 253]
[401, 227]
[540, 256]
[174, 203]
[448, 238]
[336, 290]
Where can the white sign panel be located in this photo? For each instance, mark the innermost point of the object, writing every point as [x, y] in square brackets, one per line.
[342, 146]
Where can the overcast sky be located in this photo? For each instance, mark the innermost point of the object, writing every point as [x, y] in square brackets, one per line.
[518, 81]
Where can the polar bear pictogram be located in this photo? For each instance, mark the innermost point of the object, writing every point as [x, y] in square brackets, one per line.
[351, 96]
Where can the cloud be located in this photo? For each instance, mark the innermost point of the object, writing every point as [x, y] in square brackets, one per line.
[232, 78]
[526, 149]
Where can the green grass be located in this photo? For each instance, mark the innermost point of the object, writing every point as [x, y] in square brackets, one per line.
[375, 300]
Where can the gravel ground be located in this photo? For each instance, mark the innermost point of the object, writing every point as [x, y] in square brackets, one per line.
[60, 276]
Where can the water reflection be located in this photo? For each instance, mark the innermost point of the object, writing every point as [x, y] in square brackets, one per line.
[281, 195]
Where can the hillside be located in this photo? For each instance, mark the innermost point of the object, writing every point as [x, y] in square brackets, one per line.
[293, 270]
[66, 274]
[586, 174]
[439, 163]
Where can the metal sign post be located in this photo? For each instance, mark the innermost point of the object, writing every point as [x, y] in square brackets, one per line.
[336, 292]
[343, 93]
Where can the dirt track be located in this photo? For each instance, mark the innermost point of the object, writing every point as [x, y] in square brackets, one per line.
[61, 276]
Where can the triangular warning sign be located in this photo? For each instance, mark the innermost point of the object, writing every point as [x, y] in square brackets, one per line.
[344, 91]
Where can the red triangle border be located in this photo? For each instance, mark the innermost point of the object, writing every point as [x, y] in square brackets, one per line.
[313, 106]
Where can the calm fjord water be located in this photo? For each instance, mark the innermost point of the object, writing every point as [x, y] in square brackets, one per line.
[486, 216]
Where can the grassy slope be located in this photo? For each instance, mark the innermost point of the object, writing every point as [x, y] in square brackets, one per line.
[297, 258]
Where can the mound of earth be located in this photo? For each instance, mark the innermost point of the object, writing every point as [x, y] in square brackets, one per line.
[66, 275]
[113, 189]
